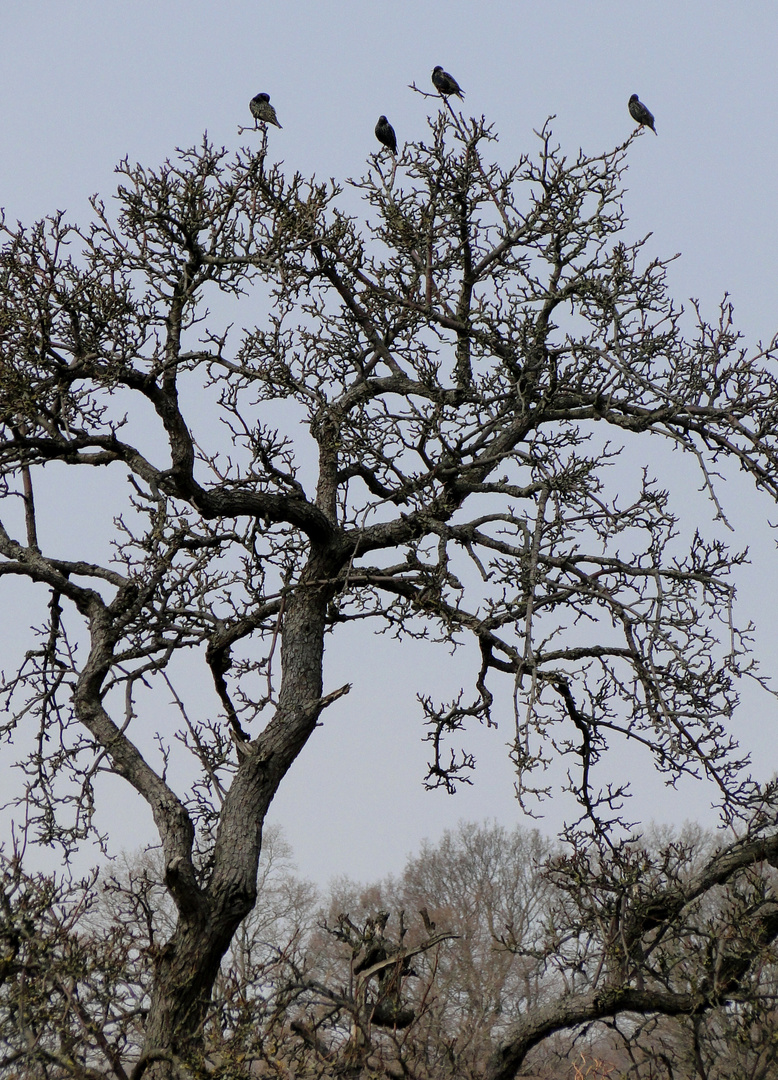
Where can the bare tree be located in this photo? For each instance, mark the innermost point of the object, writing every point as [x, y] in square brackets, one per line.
[415, 436]
[654, 957]
[68, 998]
[645, 933]
[485, 885]
[601, 973]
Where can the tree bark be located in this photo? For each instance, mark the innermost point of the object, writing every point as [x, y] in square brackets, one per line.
[209, 914]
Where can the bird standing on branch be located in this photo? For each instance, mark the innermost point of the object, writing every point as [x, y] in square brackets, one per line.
[446, 84]
[640, 113]
[261, 109]
[384, 132]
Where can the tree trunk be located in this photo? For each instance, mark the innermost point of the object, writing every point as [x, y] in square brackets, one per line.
[208, 918]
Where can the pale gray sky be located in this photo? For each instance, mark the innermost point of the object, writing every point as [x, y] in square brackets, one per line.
[87, 82]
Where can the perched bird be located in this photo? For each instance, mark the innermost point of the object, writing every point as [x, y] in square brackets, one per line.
[640, 113]
[446, 84]
[261, 109]
[384, 132]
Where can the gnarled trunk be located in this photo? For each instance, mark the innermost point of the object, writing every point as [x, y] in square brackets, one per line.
[208, 918]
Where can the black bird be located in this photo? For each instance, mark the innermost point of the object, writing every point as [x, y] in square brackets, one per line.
[261, 109]
[384, 132]
[446, 84]
[640, 113]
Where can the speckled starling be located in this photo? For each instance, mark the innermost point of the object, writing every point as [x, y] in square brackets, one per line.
[384, 132]
[261, 109]
[446, 84]
[640, 113]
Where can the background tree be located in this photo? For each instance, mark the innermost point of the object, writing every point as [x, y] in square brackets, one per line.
[451, 375]
[353, 988]
[479, 883]
[681, 929]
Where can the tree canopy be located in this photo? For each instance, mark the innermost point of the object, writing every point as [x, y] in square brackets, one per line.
[417, 426]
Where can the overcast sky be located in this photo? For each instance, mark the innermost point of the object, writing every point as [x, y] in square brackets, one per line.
[88, 83]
